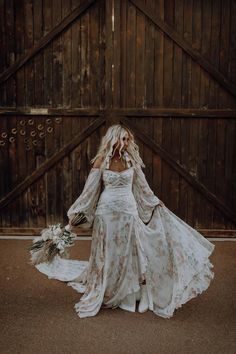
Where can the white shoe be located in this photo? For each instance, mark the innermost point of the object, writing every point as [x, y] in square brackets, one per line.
[143, 304]
[128, 303]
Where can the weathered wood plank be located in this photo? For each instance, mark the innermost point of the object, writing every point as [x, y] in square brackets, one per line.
[75, 59]
[118, 41]
[159, 60]
[123, 59]
[168, 57]
[57, 60]
[51, 146]
[22, 168]
[219, 177]
[224, 61]
[10, 51]
[192, 165]
[63, 180]
[205, 50]
[85, 65]
[19, 50]
[174, 176]
[232, 50]
[138, 52]
[187, 60]
[215, 49]
[38, 59]
[196, 43]
[108, 55]
[177, 56]
[158, 101]
[3, 45]
[230, 165]
[94, 56]
[48, 55]
[102, 42]
[149, 62]
[3, 162]
[130, 55]
[211, 169]
[183, 185]
[29, 41]
[66, 56]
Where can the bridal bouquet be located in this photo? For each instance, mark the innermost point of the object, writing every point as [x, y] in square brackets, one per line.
[54, 240]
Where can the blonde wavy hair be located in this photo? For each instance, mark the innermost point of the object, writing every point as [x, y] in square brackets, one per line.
[110, 141]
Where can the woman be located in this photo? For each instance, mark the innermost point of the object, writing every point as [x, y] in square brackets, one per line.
[140, 250]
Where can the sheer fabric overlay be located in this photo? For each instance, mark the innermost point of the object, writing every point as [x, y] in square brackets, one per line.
[133, 238]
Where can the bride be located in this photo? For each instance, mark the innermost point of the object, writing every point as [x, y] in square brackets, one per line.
[140, 250]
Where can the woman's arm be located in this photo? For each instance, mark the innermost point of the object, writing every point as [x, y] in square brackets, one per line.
[87, 201]
[97, 162]
[145, 198]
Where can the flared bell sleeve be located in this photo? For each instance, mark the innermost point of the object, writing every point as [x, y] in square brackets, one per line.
[146, 200]
[87, 201]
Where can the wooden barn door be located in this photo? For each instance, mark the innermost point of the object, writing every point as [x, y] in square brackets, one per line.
[53, 84]
[165, 68]
[174, 85]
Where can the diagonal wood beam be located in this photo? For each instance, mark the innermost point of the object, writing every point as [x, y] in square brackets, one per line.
[43, 42]
[64, 151]
[181, 170]
[182, 43]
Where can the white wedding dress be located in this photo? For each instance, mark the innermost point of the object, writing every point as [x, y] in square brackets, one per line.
[133, 238]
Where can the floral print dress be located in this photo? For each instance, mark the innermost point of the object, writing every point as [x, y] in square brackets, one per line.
[133, 238]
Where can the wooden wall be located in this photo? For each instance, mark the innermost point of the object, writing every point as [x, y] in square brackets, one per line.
[69, 71]
[155, 71]
[166, 69]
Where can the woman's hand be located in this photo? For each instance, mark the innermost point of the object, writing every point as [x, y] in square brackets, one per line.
[69, 222]
[78, 219]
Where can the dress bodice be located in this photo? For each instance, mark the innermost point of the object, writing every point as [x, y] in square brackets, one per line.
[117, 194]
[115, 179]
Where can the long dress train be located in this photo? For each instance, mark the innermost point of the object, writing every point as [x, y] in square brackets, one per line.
[133, 238]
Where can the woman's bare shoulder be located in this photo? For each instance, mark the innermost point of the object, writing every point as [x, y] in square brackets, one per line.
[97, 163]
